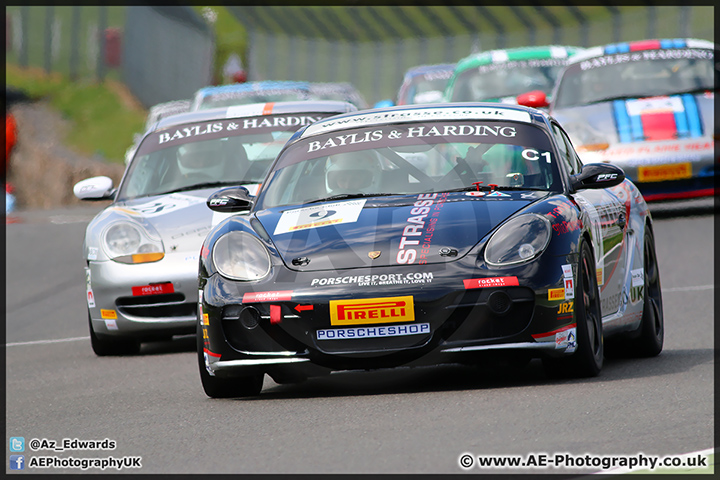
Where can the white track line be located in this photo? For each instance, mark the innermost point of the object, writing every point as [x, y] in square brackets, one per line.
[42, 342]
[688, 289]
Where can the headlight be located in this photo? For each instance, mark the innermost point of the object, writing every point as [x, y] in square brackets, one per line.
[240, 256]
[127, 242]
[518, 241]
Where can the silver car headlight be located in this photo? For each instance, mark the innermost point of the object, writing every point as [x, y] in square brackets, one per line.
[519, 240]
[127, 242]
[241, 256]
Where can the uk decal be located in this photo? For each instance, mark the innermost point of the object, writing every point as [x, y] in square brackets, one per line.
[319, 216]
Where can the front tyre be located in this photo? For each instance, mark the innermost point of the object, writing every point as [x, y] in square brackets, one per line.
[115, 346]
[587, 361]
[247, 386]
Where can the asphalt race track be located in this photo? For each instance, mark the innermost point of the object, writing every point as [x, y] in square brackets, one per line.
[403, 421]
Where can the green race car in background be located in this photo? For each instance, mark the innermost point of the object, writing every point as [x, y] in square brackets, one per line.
[503, 75]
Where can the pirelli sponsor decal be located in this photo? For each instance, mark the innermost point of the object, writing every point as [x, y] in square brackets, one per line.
[372, 310]
[660, 173]
[556, 294]
[108, 314]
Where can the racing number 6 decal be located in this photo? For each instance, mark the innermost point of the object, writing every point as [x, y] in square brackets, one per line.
[533, 155]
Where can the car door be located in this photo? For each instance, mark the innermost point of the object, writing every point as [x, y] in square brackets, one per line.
[608, 216]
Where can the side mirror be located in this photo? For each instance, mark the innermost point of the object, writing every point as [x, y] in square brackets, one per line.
[534, 99]
[597, 175]
[230, 200]
[94, 189]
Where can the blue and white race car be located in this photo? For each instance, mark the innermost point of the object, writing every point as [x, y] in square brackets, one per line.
[648, 107]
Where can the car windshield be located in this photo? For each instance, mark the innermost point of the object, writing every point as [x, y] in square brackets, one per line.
[640, 74]
[211, 153]
[506, 79]
[228, 99]
[412, 158]
[425, 88]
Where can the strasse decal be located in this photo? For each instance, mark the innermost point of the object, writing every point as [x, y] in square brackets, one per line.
[415, 231]
[374, 280]
[372, 332]
[491, 282]
[280, 296]
[319, 216]
[372, 310]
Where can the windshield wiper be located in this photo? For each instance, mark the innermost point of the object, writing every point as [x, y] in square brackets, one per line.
[345, 196]
[198, 186]
[487, 188]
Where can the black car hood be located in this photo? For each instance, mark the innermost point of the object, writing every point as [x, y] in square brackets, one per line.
[395, 230]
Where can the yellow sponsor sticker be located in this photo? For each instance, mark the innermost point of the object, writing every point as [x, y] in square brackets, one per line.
[108, 314]
[556, 294]
[205, 319]
[372, 310]
[659, 173]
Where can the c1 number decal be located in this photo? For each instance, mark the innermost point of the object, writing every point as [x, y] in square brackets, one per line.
[533, 155]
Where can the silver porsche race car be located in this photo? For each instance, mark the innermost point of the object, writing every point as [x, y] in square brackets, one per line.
[142, 251]
[647, 107]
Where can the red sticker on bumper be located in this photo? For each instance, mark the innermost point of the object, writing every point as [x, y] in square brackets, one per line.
[280, 296]
[155, 289]
[491, 282]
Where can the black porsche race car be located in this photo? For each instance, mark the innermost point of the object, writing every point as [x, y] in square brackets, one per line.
[426, 234]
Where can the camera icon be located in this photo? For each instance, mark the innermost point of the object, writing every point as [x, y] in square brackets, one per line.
[17, 444]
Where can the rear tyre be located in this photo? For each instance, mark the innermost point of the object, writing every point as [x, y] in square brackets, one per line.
[587, 361]
[652, 326]
[113, 346]
[246, 386]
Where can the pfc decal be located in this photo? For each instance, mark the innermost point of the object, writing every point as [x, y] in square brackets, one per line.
[153, 289]
[563, 338]
[372, 310]
[374, 280]
[373, 332]
[491, 282]
[569, 289]
[497, 193]
[255, 297]
[638, 277]
[319, 216]
[108, 314]
[556, 294]
[111, 324]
